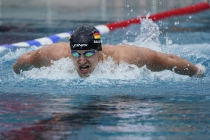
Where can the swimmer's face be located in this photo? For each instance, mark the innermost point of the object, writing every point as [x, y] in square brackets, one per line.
[85, 61]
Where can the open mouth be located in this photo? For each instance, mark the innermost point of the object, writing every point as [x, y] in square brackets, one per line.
[84, 69]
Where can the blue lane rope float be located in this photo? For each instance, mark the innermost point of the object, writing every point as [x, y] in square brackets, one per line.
[38, 42]
[45, 40]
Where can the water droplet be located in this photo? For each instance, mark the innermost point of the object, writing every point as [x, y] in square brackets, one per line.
[176, 23]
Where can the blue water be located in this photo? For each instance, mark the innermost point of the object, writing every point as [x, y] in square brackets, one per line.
[114, 102]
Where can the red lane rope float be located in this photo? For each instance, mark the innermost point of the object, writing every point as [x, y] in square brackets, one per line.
[155, 17]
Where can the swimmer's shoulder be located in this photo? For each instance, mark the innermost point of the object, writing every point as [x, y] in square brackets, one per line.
[55, 51]
[114, 50]
[59, 45]
[110, 49]
[55, 46]
[61, 49]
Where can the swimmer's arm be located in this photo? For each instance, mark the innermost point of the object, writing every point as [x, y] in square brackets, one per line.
[42, 57]
[28, 61]
[159, 61]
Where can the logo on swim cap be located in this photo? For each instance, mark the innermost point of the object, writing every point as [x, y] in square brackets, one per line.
[85, 38]
[79, 45]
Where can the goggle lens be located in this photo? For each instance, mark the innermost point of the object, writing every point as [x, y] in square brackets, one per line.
[86, 54]
[89, 54]
[75, 54]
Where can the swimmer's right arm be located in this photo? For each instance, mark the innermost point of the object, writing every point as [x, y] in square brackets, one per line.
[21, 64]
[30, 60]
[41, 57]
[24, 62]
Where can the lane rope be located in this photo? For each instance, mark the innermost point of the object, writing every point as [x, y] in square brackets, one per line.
[195, 8]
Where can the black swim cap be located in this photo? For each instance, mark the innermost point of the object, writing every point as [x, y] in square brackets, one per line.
[85, 38]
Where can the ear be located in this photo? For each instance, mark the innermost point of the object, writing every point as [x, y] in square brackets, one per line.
[101, 56]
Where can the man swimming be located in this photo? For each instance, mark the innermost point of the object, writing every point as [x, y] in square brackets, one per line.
[86, 52]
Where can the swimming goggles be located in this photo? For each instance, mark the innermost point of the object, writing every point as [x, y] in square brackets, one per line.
[86, 54]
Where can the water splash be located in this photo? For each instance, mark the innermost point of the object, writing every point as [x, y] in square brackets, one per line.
[62, 69]
[14, 54]
[108, 70]
[149, 35]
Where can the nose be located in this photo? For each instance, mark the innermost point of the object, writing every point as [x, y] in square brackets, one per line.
[82, 60]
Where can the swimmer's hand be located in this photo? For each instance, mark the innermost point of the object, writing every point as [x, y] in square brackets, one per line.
[23, 63]
[25, 67]
[16, 69]
[200, 72]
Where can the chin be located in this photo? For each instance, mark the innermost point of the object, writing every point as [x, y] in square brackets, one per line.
[84, 75]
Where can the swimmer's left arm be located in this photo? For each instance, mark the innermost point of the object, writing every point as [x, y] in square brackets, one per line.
[160, 61]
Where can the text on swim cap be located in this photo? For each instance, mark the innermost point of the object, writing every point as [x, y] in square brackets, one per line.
[79, 45]
[97, 41]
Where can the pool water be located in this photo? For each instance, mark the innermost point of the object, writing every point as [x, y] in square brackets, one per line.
[122, 102]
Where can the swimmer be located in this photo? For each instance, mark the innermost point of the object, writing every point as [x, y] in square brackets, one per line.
[86, 51]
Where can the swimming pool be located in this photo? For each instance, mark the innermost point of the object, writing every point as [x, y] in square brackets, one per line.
[113, 103]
